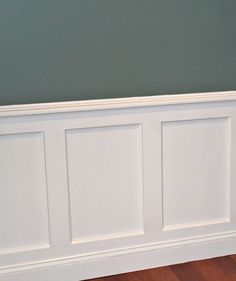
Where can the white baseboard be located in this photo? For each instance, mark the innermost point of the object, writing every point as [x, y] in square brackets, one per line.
[74, 269]
[94, 188]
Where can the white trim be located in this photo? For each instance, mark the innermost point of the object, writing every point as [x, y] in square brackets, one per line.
[29, 248]
[196, 224]
[166, 239]
[115, 103]
[141, 257]
[121, 252]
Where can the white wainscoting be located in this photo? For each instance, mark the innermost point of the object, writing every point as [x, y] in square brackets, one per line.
[101, 187]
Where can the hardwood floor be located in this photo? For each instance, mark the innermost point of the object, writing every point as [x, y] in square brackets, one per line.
[216, 269]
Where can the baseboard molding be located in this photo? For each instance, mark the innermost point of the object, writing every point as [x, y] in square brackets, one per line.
[111, 186]
[122, 261]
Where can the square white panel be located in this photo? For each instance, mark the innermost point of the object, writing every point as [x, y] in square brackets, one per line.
[105, 182]
[195, 172]
[23, 196]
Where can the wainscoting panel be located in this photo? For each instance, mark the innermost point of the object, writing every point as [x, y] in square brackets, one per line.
[95, 188]
[24, 221]
[200, 149]
[105, 182]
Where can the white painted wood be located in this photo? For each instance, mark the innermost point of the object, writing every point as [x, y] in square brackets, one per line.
[116, 103]
[103, 187]
[194, 151]
[105, 182]
[73, 269]
[23, 194]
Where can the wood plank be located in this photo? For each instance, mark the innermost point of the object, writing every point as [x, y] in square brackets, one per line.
[210, 271]
[233, 257]
[163, 274]
[187, 272]
[227, 265]
[160, 274]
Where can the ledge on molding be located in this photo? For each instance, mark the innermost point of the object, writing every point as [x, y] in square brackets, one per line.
[115, 103]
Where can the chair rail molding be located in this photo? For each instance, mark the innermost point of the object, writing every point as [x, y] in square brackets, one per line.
[100, 187]
[115, 103]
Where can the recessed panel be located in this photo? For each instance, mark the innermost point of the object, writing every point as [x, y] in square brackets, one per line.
[105, 182]
[23, 200]
[195, 172]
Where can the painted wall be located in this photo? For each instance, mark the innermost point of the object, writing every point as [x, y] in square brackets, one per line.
[56, 50]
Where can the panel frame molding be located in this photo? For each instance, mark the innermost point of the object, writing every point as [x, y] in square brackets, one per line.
[202, 112]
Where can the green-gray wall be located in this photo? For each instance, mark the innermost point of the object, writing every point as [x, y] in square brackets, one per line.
[56, 50]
